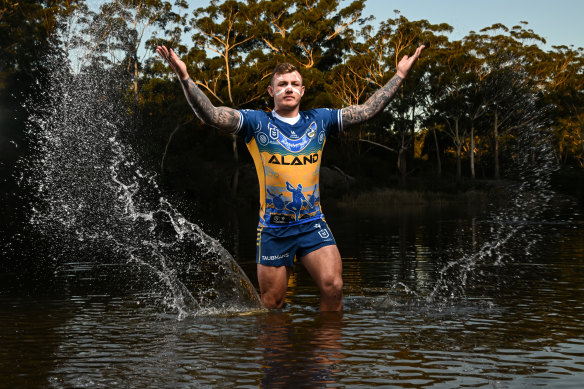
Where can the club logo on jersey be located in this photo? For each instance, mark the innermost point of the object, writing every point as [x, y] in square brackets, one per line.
[324, 234]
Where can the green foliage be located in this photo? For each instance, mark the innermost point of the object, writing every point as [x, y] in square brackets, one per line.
[473, 94]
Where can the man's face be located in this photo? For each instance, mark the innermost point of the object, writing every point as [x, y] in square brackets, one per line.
[287, 90]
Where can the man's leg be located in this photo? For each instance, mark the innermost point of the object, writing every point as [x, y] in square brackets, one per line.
[326, 268]
[273, 282]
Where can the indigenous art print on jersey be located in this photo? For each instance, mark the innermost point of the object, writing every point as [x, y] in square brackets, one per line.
[287, 160]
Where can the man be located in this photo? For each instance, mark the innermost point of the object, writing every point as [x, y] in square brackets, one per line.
[286, 145]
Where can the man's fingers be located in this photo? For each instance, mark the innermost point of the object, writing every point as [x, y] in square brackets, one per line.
[162, 51]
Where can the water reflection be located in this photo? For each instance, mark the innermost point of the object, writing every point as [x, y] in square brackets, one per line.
[29, 339]
[520, 323]
[300, 352]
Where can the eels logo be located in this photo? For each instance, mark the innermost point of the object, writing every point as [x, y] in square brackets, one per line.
[293, 145]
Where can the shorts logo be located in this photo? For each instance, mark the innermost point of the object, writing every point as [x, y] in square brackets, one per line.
[324, 234]
[275, 257]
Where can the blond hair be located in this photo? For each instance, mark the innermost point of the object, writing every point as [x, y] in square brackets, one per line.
[283, 68]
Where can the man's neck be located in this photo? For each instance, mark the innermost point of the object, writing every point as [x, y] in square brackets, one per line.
[290, 120]
[287, 113]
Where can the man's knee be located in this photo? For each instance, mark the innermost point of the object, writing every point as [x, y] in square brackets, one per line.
[272, 301]
[332, 285]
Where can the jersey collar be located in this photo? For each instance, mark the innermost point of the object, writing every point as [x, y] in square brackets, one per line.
[291, 121]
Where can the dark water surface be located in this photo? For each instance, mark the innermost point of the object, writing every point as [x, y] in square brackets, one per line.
[512, 318]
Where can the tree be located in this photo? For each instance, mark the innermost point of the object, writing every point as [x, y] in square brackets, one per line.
[229, 30]
[449, 94]
[372, 64]
[503, 89]
[313, 35]
[565, 91]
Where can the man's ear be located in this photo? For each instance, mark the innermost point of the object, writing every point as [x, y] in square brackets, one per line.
[271, 90]
[302, 90]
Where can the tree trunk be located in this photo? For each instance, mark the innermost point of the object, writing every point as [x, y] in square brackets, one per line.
[137, 121]
[236, 173]
[228, 76]
[471, 153]
[496, 145]
[235, 153]
[413, 131]
[458, 152]
[402, 166]
[136, 77]
[438, 160]
[458, 161]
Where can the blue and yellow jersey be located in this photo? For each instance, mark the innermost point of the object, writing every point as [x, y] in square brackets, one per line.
[287, 160]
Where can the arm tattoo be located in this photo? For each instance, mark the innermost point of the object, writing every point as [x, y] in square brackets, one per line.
[223, 118]
[357, 114]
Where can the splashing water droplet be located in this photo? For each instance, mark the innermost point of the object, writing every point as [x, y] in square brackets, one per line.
[94, 200]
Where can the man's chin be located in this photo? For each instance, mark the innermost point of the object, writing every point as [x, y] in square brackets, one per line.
[288, 105]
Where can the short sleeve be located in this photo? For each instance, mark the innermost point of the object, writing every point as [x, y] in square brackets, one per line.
[332, 120]
[249, 120]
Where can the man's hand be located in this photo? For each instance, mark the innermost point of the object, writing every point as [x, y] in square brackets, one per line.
[224, 118]
[357, 114]
[406, 63]
[177, 65]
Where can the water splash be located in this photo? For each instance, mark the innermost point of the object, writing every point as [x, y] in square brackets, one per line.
[509, 233]
[511, 226]
[94, 200]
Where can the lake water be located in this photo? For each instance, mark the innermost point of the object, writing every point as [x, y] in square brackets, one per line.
[429, 302]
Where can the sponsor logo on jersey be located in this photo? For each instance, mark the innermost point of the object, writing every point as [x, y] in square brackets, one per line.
[288, 160]
[293, 145]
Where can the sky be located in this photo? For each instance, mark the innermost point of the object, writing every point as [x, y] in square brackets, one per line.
[560, 22]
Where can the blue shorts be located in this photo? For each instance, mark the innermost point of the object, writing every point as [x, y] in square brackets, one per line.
[277, 246]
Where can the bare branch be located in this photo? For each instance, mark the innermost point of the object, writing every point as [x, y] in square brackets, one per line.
[378, 144]
[343, 27]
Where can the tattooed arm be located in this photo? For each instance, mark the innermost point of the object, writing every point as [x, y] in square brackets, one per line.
[223, 118]
[357, 114]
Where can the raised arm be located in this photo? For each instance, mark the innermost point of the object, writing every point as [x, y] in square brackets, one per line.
[357, 114]
[224, 118]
